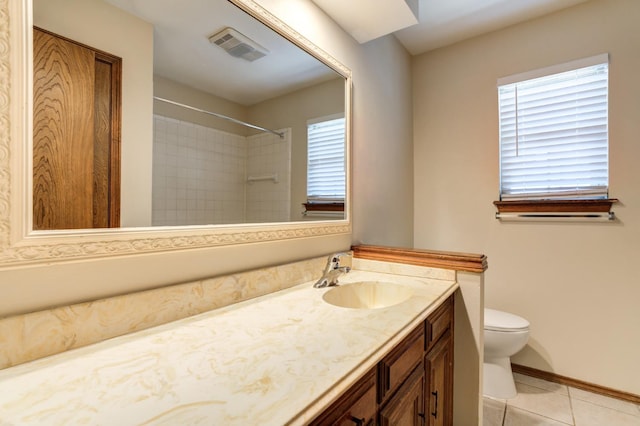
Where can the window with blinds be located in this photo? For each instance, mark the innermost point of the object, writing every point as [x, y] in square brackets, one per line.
[554, 132]
[326, 160]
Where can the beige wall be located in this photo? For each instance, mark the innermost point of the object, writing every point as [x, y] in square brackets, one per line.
[381, 70]
[575, 282]
[104, 27]
[383, 152]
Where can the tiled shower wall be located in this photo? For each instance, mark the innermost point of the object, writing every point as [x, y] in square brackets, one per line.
[269, 156]
[200, 175]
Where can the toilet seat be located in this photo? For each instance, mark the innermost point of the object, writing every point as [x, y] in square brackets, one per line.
[495, 320]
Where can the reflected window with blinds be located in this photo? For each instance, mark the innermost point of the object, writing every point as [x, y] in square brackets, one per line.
[326, 160]
[554, 132]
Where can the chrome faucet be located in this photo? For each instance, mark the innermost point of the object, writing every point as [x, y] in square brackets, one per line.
[337, 264]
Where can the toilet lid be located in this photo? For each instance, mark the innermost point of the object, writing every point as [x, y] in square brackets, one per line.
[503, 321]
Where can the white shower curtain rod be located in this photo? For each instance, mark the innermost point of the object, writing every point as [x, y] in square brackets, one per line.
[224, 117]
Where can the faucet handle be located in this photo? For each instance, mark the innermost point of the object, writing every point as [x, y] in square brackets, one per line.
[338, 263]
[342, 261]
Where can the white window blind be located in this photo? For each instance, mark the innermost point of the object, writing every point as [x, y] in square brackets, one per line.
[554, 134]
[326, 160]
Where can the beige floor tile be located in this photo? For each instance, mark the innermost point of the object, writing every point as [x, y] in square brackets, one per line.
[546, 403]
[605, 401]
[518, 417]
[493, 412]
[539, 383]
[587, 414]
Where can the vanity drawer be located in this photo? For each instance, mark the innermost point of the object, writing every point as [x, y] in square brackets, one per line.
[400, 362]
[439, 322]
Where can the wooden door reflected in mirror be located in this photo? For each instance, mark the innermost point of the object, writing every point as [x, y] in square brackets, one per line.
[76, 135]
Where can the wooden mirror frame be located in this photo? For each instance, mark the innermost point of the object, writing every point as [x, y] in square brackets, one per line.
[20, 245]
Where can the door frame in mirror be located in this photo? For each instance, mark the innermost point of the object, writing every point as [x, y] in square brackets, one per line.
[20, 245]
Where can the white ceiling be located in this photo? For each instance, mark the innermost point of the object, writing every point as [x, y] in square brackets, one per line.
[443, 22]
[183, 53]
[365, 22]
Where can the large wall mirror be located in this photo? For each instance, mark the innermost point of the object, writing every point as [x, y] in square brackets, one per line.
[202, 131]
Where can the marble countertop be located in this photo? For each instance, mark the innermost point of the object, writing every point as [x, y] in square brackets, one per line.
[274, 360]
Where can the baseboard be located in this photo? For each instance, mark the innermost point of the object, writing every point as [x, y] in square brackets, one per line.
[579, 384]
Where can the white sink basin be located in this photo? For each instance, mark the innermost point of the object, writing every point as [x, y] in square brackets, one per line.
[368, 295]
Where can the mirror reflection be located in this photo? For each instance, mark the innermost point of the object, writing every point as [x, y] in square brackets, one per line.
[158, 113]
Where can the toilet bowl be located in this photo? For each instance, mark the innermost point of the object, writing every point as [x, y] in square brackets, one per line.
[505, 334]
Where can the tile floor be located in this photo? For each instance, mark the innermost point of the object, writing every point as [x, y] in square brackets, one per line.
[543, 403]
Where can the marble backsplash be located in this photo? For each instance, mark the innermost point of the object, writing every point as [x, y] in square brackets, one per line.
[39, 334]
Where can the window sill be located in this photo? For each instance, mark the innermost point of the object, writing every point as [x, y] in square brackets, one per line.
[557, 206]
[324, 207]
[556, 209]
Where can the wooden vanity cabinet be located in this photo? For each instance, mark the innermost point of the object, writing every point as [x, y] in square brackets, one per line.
[406, 407]
[439, 383]
[357, 406]
[412, 385]
[439, 323]
[394, 368]
[438, 362]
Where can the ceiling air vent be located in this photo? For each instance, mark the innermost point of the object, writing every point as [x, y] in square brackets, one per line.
[238, 45]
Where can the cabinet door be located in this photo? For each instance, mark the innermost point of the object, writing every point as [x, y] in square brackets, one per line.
[406, 407]
[439, 386]
[356, 407]
[400, 362]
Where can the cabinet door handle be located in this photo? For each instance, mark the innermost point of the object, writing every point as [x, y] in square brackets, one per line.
[357, 421]
[434, 413]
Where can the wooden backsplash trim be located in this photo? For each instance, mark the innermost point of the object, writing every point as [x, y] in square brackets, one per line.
[435, 259]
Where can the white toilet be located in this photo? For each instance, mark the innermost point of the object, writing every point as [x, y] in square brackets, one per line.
[505, 334]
